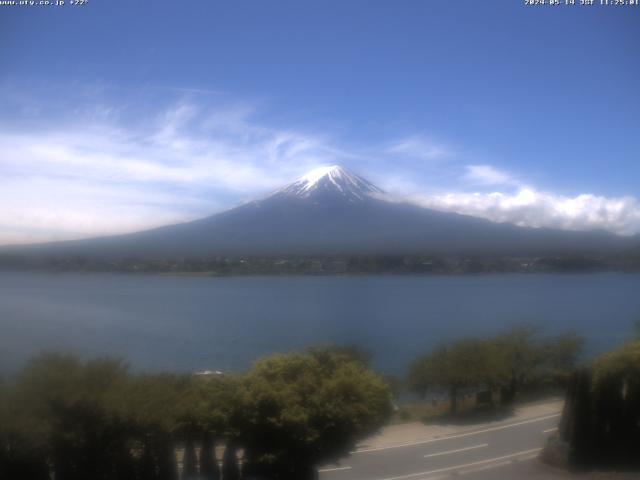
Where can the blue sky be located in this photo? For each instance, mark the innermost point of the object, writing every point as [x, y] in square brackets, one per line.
[121, 115]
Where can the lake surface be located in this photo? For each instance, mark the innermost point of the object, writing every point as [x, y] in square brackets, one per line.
[191, 323]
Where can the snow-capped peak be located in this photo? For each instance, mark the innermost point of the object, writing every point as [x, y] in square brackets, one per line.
[331, 180]
[314, 176]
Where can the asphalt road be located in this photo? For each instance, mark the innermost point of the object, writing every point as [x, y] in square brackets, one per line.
[494, 452]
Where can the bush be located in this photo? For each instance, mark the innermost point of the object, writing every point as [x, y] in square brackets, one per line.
[94, 419]
[301, 410]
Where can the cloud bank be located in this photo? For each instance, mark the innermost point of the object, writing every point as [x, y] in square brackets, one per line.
[530, 208]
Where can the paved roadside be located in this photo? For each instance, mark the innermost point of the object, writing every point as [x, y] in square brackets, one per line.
[534, 469]
[414, 432]
[414, 451]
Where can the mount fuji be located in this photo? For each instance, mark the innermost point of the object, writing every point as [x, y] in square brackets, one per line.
[331, 210]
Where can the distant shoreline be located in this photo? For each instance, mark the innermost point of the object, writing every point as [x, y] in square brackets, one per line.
[334, 265]
[207, 274]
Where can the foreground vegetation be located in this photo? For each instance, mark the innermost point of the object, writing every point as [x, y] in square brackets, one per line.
[68, 419]
[600, 426]
[79, 420]
[504, 366]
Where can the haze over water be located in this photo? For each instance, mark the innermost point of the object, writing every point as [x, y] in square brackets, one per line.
[191, 323]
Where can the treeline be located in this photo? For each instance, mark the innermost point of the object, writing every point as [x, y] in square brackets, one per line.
[502, 366]
[69, 419]
[331, 264]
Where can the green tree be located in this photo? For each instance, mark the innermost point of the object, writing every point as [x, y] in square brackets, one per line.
[528, 360]
[622, 364]
[601, 418]
[71, 406]
[23, 452]
[230, 467]
[302, 410]
[510, 361]
[520, 356]
[351, 352]
[154, 407]
[463, 364]
[561, 354]
[212, 415]
[208, 462]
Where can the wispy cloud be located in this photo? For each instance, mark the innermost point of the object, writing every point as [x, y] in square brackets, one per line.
[488, 175]
[113, 176]
[102, 169]
[420, 147]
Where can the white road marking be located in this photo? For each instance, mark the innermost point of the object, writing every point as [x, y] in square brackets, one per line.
[336, 469]
[482, 468]
[494, 465]
[465, 465]
[457, 450]
[440, 439]
[549, 430]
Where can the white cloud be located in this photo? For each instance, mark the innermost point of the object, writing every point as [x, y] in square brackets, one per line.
[104, 174]
[488, 175]
[532, 208]
[112, 177]
[420, 147]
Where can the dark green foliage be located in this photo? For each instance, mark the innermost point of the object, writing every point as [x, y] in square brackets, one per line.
[351, 352]
[561, 353]
[22, 450]
[166, 459]
[208, 462]
[464, 364]
[509, 362]
[69, 415]
[79, 420]
[601, 420]
[230, 467]
[575, 425]
[520, 358]
[301, 410]
[616, 392]
[189, 461]
[395, 383]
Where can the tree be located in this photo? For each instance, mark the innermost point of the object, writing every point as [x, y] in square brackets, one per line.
[350, 352]
[71, 406]
[301, 410]
[616, 406]
[23, 452]
[622, 366]
[519, 358]
[510, 361]
[230, 467]
[154, 407]
[526, 359]
[212, 414]
[561, 353]
[600, 424]
[92, 419]
[463, 364]
[208, 462]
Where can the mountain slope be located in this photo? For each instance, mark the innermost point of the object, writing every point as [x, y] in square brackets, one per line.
[333, 211]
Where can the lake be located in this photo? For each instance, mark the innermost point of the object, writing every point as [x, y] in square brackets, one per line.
[193, 323]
